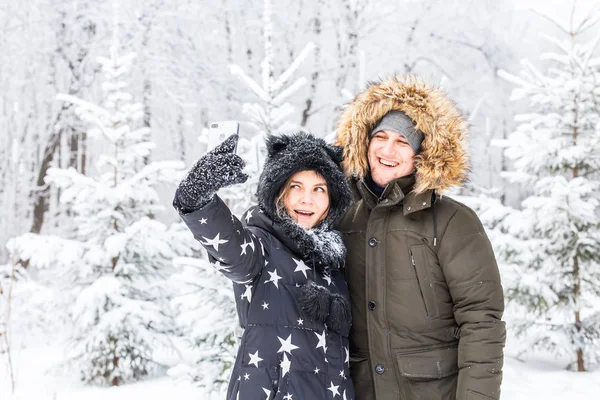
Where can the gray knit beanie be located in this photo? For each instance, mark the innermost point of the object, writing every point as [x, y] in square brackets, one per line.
[400, 123]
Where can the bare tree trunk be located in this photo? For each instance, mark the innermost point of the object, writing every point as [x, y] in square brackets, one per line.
[83, 152]
[4, 334]
[576, 272]
[41, 192]
[249, 53]
[229, 44]
[306, 112]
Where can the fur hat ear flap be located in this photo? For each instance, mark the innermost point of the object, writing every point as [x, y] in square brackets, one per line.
[275, 144]
[335, 152]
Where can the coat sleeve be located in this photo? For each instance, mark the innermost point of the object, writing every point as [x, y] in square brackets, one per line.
[237, 251]
[473, 279]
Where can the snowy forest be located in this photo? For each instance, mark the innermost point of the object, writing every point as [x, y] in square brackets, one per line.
[104, 106]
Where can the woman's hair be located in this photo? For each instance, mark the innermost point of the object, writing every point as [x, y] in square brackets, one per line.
[283, 193]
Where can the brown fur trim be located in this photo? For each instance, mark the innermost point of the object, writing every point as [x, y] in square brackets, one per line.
[442, 162]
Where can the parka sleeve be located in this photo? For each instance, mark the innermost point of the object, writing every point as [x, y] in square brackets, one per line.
[238, 252]
[472, 276]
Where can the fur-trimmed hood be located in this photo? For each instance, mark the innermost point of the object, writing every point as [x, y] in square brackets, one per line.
[442, 162]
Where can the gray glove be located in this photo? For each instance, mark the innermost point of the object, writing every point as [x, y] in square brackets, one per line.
[219, 168]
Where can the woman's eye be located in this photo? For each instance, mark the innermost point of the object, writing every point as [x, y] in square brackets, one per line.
[320, 189]
[294, 186]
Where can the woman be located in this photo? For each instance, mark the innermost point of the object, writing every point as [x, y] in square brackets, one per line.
[292, 298]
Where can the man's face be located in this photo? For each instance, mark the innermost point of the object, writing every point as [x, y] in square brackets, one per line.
[390, 157]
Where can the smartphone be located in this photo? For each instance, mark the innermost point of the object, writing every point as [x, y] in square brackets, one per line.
[219, 131]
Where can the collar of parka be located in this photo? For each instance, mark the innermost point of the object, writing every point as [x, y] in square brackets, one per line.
[392, 196]
[442, 162]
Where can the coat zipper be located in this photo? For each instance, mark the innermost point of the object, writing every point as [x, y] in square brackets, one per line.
[420, 284]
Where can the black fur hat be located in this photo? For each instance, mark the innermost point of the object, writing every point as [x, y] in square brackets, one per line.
[288, 154]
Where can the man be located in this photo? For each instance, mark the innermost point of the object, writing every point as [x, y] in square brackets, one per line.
[425, 288]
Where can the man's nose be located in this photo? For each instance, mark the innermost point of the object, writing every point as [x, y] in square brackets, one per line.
[388, 148]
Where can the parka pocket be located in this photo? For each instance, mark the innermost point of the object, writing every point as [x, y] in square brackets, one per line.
[418, 259]
[427, 365]
[429, 374]
[471, 395]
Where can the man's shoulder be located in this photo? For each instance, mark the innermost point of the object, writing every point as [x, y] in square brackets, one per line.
[460, 216]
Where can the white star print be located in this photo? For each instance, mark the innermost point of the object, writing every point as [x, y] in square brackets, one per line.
[286, 364]
[254, 359]
[202, 221]
[247, 294]
[333, 389]
[267, 392]
[214, 242]
[342, 374]
[262, 248]
[248, 216]
[221, 259]
[219, 267]
[288, 397]
[347, 360]
[344, 396]
[246, 376]
[300, 321]
[246, 244]
[301, 267]
[274, 278]
[265, 305]
[321, 341]
[317, 370]
[328, 279]
[286, 345]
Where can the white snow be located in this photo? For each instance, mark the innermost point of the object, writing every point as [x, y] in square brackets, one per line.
[535, 378]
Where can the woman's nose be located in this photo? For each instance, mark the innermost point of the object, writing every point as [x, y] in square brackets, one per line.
[307, 197]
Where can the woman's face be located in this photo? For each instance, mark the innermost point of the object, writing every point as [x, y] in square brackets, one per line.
[307, 199]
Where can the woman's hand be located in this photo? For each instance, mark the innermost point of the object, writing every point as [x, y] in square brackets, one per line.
[219, 168]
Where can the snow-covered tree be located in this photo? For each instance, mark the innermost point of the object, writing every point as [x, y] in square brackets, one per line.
[207, 311]
[116, 257]
[269, 114]
[555, 152]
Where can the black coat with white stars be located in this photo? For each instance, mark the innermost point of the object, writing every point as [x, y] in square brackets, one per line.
[283, 354]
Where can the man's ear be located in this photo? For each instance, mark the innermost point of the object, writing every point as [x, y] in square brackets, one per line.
[335, 152]
[275, 144]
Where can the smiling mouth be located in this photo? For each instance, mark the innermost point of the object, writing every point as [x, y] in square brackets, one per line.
[386, 163]
[304, 213]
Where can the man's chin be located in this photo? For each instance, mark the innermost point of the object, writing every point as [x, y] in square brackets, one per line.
[382, 181]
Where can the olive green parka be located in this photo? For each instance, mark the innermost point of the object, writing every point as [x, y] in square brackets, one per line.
[425, 289]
